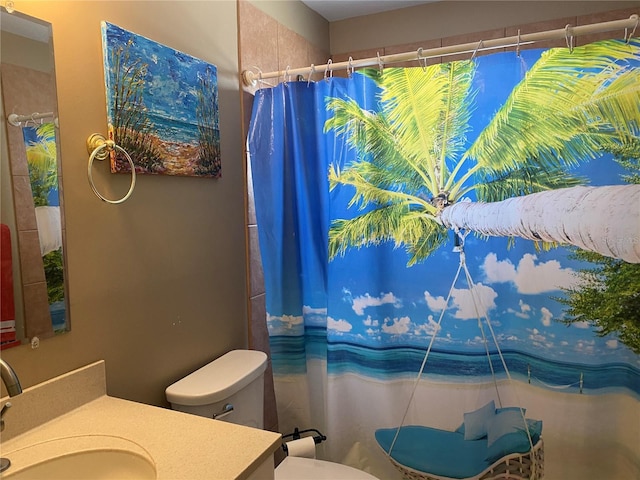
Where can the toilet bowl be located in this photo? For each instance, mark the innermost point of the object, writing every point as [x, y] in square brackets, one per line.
[231, 389]
[298, 468]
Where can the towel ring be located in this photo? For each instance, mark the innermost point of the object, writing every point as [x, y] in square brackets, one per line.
[99, 147]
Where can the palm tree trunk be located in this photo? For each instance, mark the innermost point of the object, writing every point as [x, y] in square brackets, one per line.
[605, 219]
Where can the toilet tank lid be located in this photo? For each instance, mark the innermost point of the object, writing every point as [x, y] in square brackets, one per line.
[219, 379]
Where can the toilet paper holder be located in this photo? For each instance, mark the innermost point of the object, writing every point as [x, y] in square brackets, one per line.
[296, 435]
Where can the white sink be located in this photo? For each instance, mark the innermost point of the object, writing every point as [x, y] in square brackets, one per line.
[82, 457]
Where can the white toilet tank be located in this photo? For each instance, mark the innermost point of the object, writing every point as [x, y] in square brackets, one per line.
[235, 379]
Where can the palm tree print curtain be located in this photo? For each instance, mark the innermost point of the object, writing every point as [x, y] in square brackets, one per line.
[365, 189]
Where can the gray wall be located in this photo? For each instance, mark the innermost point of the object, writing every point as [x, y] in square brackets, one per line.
[157, 284]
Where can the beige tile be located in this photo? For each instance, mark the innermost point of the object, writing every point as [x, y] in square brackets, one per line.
[24, 91]
[317, 57]
[258, 38]
[31, 264]
[36, 311]
[541, 27]
[359, 55]
[414, 47]
[255, 263]
[270, 410]
[17, 151]
[23, 203]
[606, 17]
[292, 51]
[259, 340]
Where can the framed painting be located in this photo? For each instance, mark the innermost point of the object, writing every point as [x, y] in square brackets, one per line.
[162, 107]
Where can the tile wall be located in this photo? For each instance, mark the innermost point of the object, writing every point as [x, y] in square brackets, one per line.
[508, 31]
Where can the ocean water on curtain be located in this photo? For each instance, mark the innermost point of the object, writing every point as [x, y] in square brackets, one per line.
[368, 315]
[449, 366]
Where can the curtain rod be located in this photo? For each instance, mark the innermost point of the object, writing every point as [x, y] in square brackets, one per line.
[250, 78]
[17, 120]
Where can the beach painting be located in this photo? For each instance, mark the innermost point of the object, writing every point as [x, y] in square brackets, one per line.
[162, 107]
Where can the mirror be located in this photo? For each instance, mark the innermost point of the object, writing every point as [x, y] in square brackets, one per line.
[34, 294]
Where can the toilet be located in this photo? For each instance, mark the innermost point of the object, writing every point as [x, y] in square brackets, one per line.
[231, 389]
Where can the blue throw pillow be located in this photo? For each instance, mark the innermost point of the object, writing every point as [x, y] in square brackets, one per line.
[460, 429]
[510, 409]
[507, 421]
[506, 434]
[475, 423]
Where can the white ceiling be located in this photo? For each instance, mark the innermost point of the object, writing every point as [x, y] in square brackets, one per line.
[334, 10]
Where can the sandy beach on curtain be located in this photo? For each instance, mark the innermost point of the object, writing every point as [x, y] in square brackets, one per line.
[587, 436]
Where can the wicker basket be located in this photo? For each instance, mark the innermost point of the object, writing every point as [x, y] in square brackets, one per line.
[517, 466]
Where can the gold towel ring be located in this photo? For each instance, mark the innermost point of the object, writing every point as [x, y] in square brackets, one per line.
[99, 147]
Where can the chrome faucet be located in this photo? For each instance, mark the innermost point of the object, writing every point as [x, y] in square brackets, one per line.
[10, 378]
[12, 383]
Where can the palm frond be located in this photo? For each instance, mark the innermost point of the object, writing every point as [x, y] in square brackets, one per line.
[524, 181]
[377, 185]
[42, 160]
[544, 118]
[418, 232]
[615, 107]
[429, 111]
[427, 236]
[374, 140]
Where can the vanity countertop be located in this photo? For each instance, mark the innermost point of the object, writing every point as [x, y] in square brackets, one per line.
[182, 446]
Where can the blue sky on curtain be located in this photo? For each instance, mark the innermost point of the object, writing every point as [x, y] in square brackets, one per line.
[496, 127]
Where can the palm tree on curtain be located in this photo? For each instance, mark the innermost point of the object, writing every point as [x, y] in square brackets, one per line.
[414, 167]
[42, 163]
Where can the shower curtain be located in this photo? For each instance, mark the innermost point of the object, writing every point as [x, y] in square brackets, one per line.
[361, 188]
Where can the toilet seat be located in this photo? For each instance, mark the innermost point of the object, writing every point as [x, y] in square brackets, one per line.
[300, 468]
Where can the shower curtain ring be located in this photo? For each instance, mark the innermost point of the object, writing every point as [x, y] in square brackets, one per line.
[312, 70]
[350, 68]
[380, 63]
[568, 38]
[478, 47]
[422, 61]
[328, 69]
[518, 45]
[286, 77]
[634, 29]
